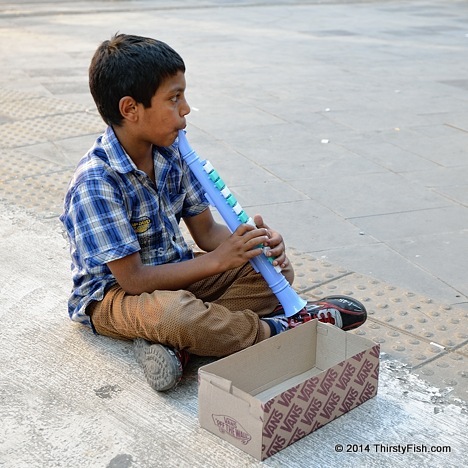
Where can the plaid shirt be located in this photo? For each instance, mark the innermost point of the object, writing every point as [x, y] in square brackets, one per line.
[112, 209]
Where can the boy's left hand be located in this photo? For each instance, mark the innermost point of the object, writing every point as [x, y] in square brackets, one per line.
[275, 242]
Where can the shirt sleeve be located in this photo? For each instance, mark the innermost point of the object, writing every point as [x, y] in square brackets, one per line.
[103, 232]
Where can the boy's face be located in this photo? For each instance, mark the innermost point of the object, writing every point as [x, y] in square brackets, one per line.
[161, 122]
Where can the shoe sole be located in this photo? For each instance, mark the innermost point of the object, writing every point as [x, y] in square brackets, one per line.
[160, 365]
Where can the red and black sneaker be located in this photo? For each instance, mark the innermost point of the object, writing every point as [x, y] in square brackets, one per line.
[344, 312]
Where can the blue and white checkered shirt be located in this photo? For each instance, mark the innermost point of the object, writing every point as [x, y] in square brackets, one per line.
[112, 209]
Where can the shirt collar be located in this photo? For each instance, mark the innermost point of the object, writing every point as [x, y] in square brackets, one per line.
[119, 160]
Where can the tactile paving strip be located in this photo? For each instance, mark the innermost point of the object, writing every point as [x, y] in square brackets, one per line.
[16, 164]
[33, 183]
[404, 312]
[48, 128]
[311, 272]
[27, 119]
[34, 106]
[42, 194]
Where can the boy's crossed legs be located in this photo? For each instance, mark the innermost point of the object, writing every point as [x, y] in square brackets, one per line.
[213, 317]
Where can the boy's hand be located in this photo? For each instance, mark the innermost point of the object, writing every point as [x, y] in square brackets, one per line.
[241, 246]
[275, 242]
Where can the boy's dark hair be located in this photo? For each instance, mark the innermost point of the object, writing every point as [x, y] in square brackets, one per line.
[129, 66]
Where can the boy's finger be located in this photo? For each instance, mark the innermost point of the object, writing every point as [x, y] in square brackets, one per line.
[243, 228]
[258, 235]
[256, 242]
[258, 220]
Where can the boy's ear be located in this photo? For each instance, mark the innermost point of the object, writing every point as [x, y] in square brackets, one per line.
[128, 108]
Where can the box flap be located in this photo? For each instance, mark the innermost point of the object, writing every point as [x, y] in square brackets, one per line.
[226, 386]
[331, 345]
[220, 382]
[336, 345]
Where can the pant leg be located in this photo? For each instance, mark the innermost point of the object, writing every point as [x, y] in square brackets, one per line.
[215, 317]
[239, 289]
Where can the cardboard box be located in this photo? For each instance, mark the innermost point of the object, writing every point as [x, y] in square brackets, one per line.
[270, 395]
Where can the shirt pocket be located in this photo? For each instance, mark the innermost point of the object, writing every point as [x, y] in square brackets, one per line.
[151, 240]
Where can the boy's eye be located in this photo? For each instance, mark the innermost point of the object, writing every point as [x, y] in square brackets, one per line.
[175, 98]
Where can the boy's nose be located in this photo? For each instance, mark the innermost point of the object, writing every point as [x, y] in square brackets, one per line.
[185, 108]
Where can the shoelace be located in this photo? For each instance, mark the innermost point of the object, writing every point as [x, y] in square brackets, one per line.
[301, 317]
[326, 317]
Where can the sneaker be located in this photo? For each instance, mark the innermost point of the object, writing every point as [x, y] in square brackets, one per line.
[162, 365]
[344, 312]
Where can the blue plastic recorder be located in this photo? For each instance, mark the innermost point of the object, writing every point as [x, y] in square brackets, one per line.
[229, 208]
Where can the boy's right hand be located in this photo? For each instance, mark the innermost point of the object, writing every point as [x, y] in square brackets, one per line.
[241, 246]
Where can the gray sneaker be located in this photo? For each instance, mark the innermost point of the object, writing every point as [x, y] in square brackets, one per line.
[161, 365]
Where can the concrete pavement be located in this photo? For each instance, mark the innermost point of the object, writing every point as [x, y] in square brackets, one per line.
[343, 123]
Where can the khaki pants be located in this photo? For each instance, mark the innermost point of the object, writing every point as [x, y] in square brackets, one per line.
[217, 316]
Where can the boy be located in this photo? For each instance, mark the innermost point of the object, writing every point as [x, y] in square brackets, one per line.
[134, 277]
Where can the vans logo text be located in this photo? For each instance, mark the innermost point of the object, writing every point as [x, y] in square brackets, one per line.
[228, 425]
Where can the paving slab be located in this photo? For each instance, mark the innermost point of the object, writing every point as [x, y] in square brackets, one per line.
[379, 260]
[411, 224]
